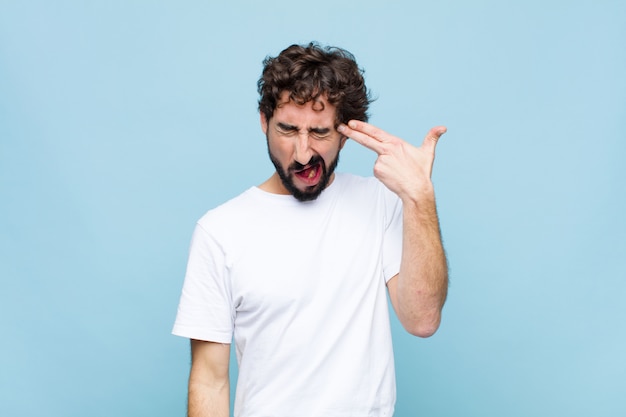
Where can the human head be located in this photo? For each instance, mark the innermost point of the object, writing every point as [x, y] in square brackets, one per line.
[310, 71]
[303, 144]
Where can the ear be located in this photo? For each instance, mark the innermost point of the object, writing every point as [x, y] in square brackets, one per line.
[263, 123]
[342, 142]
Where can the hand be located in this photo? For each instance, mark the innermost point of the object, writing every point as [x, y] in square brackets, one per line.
[403, 168]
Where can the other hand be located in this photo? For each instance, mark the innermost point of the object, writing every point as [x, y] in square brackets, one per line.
[403, 168]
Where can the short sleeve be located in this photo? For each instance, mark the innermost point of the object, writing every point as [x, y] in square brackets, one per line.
[205, 310]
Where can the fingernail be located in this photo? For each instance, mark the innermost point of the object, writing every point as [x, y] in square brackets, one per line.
[352, 124]
[341, 128]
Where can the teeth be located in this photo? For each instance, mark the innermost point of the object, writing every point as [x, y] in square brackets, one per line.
[312, 173]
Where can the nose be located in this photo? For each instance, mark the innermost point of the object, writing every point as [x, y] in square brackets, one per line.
[302, 148]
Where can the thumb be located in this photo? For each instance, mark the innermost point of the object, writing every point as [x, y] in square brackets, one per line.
[431, 139]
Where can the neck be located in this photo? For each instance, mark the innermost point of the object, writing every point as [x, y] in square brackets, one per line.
[274, 185]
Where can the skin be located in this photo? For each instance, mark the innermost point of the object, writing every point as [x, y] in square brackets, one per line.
[209, 386]
[417, 293]
[295, 133]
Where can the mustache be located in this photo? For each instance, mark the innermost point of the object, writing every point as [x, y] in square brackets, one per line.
[296, 166]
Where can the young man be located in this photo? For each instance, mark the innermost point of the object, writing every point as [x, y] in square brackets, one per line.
[296, 270]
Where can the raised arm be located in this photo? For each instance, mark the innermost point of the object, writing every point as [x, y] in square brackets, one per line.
[209, 389]
[419, 291]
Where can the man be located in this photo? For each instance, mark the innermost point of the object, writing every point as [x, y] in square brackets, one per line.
[296, 270]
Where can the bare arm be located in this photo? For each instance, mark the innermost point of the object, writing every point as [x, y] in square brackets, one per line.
[419, 291]
[209, 389]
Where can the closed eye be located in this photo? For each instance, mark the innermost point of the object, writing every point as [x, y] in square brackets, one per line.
[320, 136]
[317, 133]
[285, 129]
[320, 133]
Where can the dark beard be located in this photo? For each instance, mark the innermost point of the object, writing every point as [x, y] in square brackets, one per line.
[309, 193]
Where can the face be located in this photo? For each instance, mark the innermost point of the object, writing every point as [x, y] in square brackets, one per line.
[303, 145]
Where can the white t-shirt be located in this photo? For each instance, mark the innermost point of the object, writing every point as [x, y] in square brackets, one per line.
[300, 286]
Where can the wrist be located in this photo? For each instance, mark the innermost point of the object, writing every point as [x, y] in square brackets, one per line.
[420, 195]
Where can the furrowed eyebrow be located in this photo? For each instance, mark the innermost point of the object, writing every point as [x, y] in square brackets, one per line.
[291, 128]
[286, 127]
[319, 130]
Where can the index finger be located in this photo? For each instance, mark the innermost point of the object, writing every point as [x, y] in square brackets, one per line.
[363, 133]
[368, 129]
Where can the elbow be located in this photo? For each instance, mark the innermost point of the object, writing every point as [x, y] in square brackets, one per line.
[422, 331]
[423, 328]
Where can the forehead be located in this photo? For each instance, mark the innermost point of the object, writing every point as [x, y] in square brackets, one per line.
[318, 112]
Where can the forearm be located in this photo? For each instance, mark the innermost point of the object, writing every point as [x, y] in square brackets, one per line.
[423, 278]
[209, 387]
[208, 401]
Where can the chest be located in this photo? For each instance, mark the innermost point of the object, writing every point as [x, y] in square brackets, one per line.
[305, 258]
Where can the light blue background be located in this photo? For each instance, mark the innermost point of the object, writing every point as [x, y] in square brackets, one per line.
[122, 122]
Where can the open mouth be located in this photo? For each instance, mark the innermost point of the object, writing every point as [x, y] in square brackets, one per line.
[310, 174]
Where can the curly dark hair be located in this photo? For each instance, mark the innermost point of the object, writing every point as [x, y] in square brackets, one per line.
[310, 71]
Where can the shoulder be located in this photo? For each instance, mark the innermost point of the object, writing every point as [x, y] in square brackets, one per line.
[368, 192]
[351, 184]
[229, 211]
